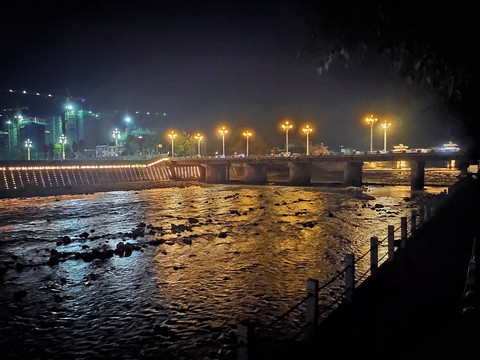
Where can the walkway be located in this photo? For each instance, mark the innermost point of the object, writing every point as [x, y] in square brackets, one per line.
[412, 308]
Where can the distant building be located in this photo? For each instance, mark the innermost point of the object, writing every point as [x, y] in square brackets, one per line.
[53, 129]
[83, 125]
[108, 150]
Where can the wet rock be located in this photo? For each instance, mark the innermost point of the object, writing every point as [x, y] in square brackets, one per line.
[64, 240]
[222, 234]
[378, 206]
[309, 224]
[180, 228]
[54, 259]
[14, 257]
[156, 242]
[234, 212]
[17, 295]
[187, 241]
[84, 235]
[19, 266]
[141, 225]
[58, 298]
[192, 221]
[330, 214]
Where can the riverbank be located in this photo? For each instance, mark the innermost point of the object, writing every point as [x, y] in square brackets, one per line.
[34, 191]
[413, 307]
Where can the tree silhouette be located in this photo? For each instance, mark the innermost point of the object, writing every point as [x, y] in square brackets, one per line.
[430, 46]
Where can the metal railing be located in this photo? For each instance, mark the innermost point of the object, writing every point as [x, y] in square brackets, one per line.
[395, 238]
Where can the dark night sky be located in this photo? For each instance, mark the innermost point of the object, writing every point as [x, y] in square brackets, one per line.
[203, 65]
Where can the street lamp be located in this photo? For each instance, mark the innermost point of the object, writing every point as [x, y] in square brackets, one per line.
[116, 136]
[371, 121]
[222, 132]
[385, 126]
[28, 145]
[286, 126]
[198, 137]
[307, 130]
[63, 140]
[172, 136]
[247, 134]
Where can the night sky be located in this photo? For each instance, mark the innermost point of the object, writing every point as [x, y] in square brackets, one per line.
[204, 64]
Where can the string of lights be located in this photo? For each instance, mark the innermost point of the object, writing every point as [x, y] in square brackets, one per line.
[47, 95]
[50, 95]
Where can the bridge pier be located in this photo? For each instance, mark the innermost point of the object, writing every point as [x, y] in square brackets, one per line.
[417, 175]
[216, 173]
[255, 173]
[300, 173]
[352, 174]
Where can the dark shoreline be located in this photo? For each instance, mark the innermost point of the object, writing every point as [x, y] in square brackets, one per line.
[90, 189]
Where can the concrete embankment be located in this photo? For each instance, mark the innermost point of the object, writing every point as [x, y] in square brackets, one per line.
[93, 188]
[412, 307]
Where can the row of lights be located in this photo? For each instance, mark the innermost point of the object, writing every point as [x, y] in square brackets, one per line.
[286, 126]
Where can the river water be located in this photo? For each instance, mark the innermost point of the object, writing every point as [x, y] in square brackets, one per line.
[206, 258]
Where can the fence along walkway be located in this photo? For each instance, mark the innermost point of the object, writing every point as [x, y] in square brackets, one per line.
[249, 334]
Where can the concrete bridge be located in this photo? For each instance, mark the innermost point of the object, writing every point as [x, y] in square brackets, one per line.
[33, 178]
[217, 170]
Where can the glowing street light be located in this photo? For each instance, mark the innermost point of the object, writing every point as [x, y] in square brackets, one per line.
[172, 136]
[371, 121]
[247, 134]
[223, 131]
[116, 136]
[286, 126]
[307, 130]
[385, 126]
[28, 145]
[198, 137]
[63, 140]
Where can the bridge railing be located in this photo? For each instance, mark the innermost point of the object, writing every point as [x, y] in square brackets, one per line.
[314, 306]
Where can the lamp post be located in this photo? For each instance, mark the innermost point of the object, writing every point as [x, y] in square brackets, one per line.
[116, 136]
[247, 134]
[385, 126]
[286, 126]
[222, 132]
[307, 130]
[172, 136]
[63, 140]
[198, 137]
[28, 145]
[371, 120]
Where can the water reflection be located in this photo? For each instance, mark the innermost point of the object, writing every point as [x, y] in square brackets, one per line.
[224, 253]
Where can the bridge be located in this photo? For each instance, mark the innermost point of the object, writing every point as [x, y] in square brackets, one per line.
[33, 178]
[217, 169]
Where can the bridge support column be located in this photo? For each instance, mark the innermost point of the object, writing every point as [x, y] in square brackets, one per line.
[216, 173]
[417, 176]
[352, 174]
[255, 173]
[300, 173]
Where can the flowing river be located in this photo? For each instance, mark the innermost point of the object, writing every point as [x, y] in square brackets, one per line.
[204, 259]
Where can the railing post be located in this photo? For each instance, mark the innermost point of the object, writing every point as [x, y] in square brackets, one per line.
[421, 217]
[349, 263]
[403, 232]
[391, 242]
[311, 316]
[428, 210]
[373, 255]
[245, 340]
[414, 222]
